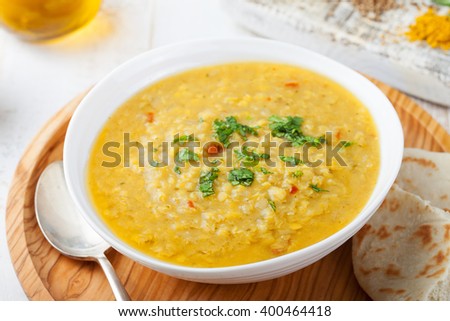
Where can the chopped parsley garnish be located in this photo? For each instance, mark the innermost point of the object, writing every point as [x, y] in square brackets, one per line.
[313, 141]
[297, 174]
[249, 158]
[185, 139]
[265, 171]
[154, 163]
[347, 143]
[186, 155]
[206, 181]
[241, 176]
[272, 205]
[177, 170]
[317, 189]
[224, 129]
[289, 128]
[291, 160]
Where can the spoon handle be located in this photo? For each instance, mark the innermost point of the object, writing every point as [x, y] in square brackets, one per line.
[117, 287]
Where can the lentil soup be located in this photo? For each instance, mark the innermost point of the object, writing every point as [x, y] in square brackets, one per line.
[230, 212]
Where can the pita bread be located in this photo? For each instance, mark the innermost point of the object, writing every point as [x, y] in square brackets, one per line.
[426, 174]
[403, 252]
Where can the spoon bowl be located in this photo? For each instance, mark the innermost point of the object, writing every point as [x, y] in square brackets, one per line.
[66, 230]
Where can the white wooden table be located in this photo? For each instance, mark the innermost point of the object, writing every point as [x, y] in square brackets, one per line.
[38, 79]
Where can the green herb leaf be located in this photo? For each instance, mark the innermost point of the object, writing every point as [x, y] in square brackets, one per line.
[313, 141]
[186, 155]
[291, 160]
[297, 174]
[265, 171]
[184, 139]
[289, 128]
[177, 170]
[156, 164]
[249, 158]
[272, 205]
[317, 189]
[346, 143]
[241, 176]
[224, 129]
[206, 181]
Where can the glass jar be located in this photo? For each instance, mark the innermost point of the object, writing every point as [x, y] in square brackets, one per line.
[45, 19]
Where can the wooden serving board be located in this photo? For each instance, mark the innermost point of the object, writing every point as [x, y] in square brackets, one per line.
[47, 275]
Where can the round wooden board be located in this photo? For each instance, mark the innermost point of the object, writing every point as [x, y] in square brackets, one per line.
[47, 275]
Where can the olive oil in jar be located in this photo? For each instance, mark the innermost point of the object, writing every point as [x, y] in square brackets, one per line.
[45, 19]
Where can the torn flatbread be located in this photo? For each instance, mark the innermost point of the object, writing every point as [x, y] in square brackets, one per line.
[426, 174]
[403, 252]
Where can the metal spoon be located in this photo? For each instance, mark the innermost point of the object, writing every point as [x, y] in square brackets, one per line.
[66, 230]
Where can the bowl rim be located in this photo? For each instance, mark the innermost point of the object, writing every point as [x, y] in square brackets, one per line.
[286, 260]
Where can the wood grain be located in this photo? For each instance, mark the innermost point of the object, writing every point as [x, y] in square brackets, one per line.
[47, 275]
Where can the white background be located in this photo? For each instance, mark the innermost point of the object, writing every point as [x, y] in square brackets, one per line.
[38, 79]
[258, 310]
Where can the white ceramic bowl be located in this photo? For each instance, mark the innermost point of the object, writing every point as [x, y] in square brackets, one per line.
[149, 67]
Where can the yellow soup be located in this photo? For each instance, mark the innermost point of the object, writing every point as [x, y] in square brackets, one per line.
[233, 164]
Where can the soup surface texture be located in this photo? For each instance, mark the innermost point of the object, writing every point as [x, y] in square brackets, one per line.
[218, 203]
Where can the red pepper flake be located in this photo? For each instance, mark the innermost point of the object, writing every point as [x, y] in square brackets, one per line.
[269, 99]
[291, 84]
[191, 204]
[278, 251]
[338, 134]
[212, 149]
[150, 117]
[294, 189]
